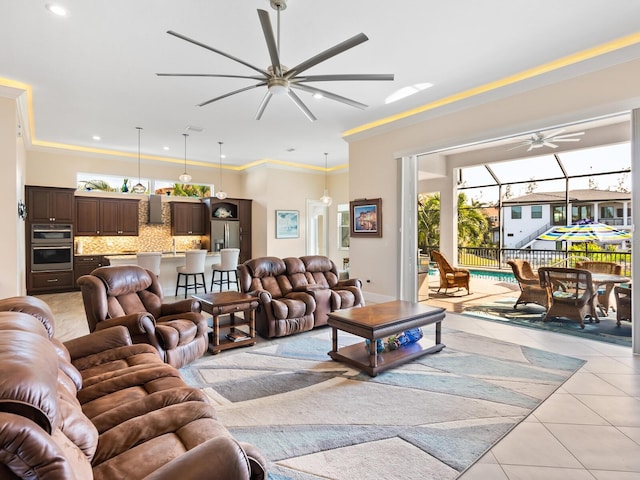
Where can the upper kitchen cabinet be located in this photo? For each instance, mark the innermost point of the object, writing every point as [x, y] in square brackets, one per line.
[106, 217]
[187, 218]
[50, 204]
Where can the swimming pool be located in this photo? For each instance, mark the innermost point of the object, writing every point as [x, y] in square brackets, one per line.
[496, 275]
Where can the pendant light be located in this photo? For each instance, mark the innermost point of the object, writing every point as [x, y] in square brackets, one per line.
[220, 194]
[138, 187]
[326, 199]
[185, 177]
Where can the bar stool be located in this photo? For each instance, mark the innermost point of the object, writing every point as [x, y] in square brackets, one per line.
[194, 266]
[149, 261]
[228, 263]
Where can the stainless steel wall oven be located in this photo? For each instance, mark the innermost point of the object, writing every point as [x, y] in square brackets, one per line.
[51, 247]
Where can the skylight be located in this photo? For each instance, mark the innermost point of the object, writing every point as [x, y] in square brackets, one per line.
[405, 92]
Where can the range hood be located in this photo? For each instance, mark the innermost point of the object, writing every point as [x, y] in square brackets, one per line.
[155, 209]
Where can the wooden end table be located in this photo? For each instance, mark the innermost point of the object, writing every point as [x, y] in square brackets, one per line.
[229, 303]
[380, 321]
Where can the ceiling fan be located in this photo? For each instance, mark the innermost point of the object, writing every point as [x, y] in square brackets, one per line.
[540, 139]
[281, 80]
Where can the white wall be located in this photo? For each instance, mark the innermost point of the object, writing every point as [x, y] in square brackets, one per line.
[12, 280]
[516, 230]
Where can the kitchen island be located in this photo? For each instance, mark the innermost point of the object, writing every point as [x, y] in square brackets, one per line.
[168, 275]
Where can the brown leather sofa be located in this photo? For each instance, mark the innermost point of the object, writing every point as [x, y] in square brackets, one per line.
[99, 407]
[296, 294]
[132, 296]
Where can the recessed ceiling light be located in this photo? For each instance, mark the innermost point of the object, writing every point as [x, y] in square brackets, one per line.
[166, 148]
[405, 92]
[58, 10]
[223, 156]
[317, 96]
[96, 137]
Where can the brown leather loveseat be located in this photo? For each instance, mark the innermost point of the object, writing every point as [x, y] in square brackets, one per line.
[296, 294]
[132, 296]
[100, 407]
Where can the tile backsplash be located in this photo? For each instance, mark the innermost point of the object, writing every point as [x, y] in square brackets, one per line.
[151, 238]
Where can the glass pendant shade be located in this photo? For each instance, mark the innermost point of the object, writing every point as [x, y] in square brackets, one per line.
[185, 177]
[220, 194]
[138, 187]
[325, 198]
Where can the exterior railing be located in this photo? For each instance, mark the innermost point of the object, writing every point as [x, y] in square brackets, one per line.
[488, 257]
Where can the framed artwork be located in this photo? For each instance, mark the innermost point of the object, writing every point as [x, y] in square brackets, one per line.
[287, 224]
[366, 217]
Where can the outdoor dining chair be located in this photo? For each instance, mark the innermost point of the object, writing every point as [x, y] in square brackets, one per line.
[529, 282]
[570, 293]
[606, 298]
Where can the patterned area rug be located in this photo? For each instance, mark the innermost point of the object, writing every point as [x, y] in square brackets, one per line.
[314, 418]
[531, 316]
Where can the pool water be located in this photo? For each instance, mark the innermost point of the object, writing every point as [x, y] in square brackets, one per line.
[496, 275]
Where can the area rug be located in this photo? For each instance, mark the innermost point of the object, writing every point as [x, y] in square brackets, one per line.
[314, 418]
[531, 316]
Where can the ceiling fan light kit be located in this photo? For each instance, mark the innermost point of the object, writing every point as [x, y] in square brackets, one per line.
[281, 80]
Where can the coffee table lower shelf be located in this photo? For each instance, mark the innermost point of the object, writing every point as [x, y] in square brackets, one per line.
[358, 355]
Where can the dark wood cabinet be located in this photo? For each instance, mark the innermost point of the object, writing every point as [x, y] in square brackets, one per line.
[231, 211]
[84, 265]
[119, 217]
[87, 216]
[50, 204]
[106, 217]
[187, 218]
[50, 282]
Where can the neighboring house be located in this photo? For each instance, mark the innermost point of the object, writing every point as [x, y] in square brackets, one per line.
[525, 218]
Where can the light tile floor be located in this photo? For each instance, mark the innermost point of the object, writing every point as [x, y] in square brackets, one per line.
[588, 430]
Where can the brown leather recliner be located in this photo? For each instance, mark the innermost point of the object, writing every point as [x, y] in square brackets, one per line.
[282, 311]
[132, 296]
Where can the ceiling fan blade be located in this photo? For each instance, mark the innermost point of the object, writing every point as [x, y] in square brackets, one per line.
[546, 143]
[521, 144]
[271, 41]
[552, 134]
[327, 54]
[567, 135]
[346, 77]
[329, 95]
[263, 104]
[215, 50]
[301, 105]
[560, 139]
[208, 75]
[231, 93]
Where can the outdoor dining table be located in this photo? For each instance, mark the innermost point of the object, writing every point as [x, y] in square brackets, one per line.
[601, 279]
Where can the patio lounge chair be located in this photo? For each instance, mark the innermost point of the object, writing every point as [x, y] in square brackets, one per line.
[530, 289]
[450, 276]
[605, 293]
[570, 293]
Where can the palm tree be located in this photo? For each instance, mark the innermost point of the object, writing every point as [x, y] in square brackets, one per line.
[473, 225]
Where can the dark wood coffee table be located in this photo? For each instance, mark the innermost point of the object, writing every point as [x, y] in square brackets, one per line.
[229, 303]
[380, 321]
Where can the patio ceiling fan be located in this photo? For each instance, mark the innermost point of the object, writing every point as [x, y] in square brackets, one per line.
[281, 80]
[540, 139]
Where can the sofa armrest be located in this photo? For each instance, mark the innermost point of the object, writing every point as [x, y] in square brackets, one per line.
[222, 455]
[307, 298]
[136, 323]
[98, 341]
[349, 282]
[181, 306]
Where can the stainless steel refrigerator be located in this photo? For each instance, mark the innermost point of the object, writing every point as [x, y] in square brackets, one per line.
[225, 234]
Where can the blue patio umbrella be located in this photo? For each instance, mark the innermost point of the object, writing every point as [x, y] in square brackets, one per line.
[585, 231]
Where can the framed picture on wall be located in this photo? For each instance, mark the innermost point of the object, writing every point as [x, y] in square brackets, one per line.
[366, 217]
[287, 224]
